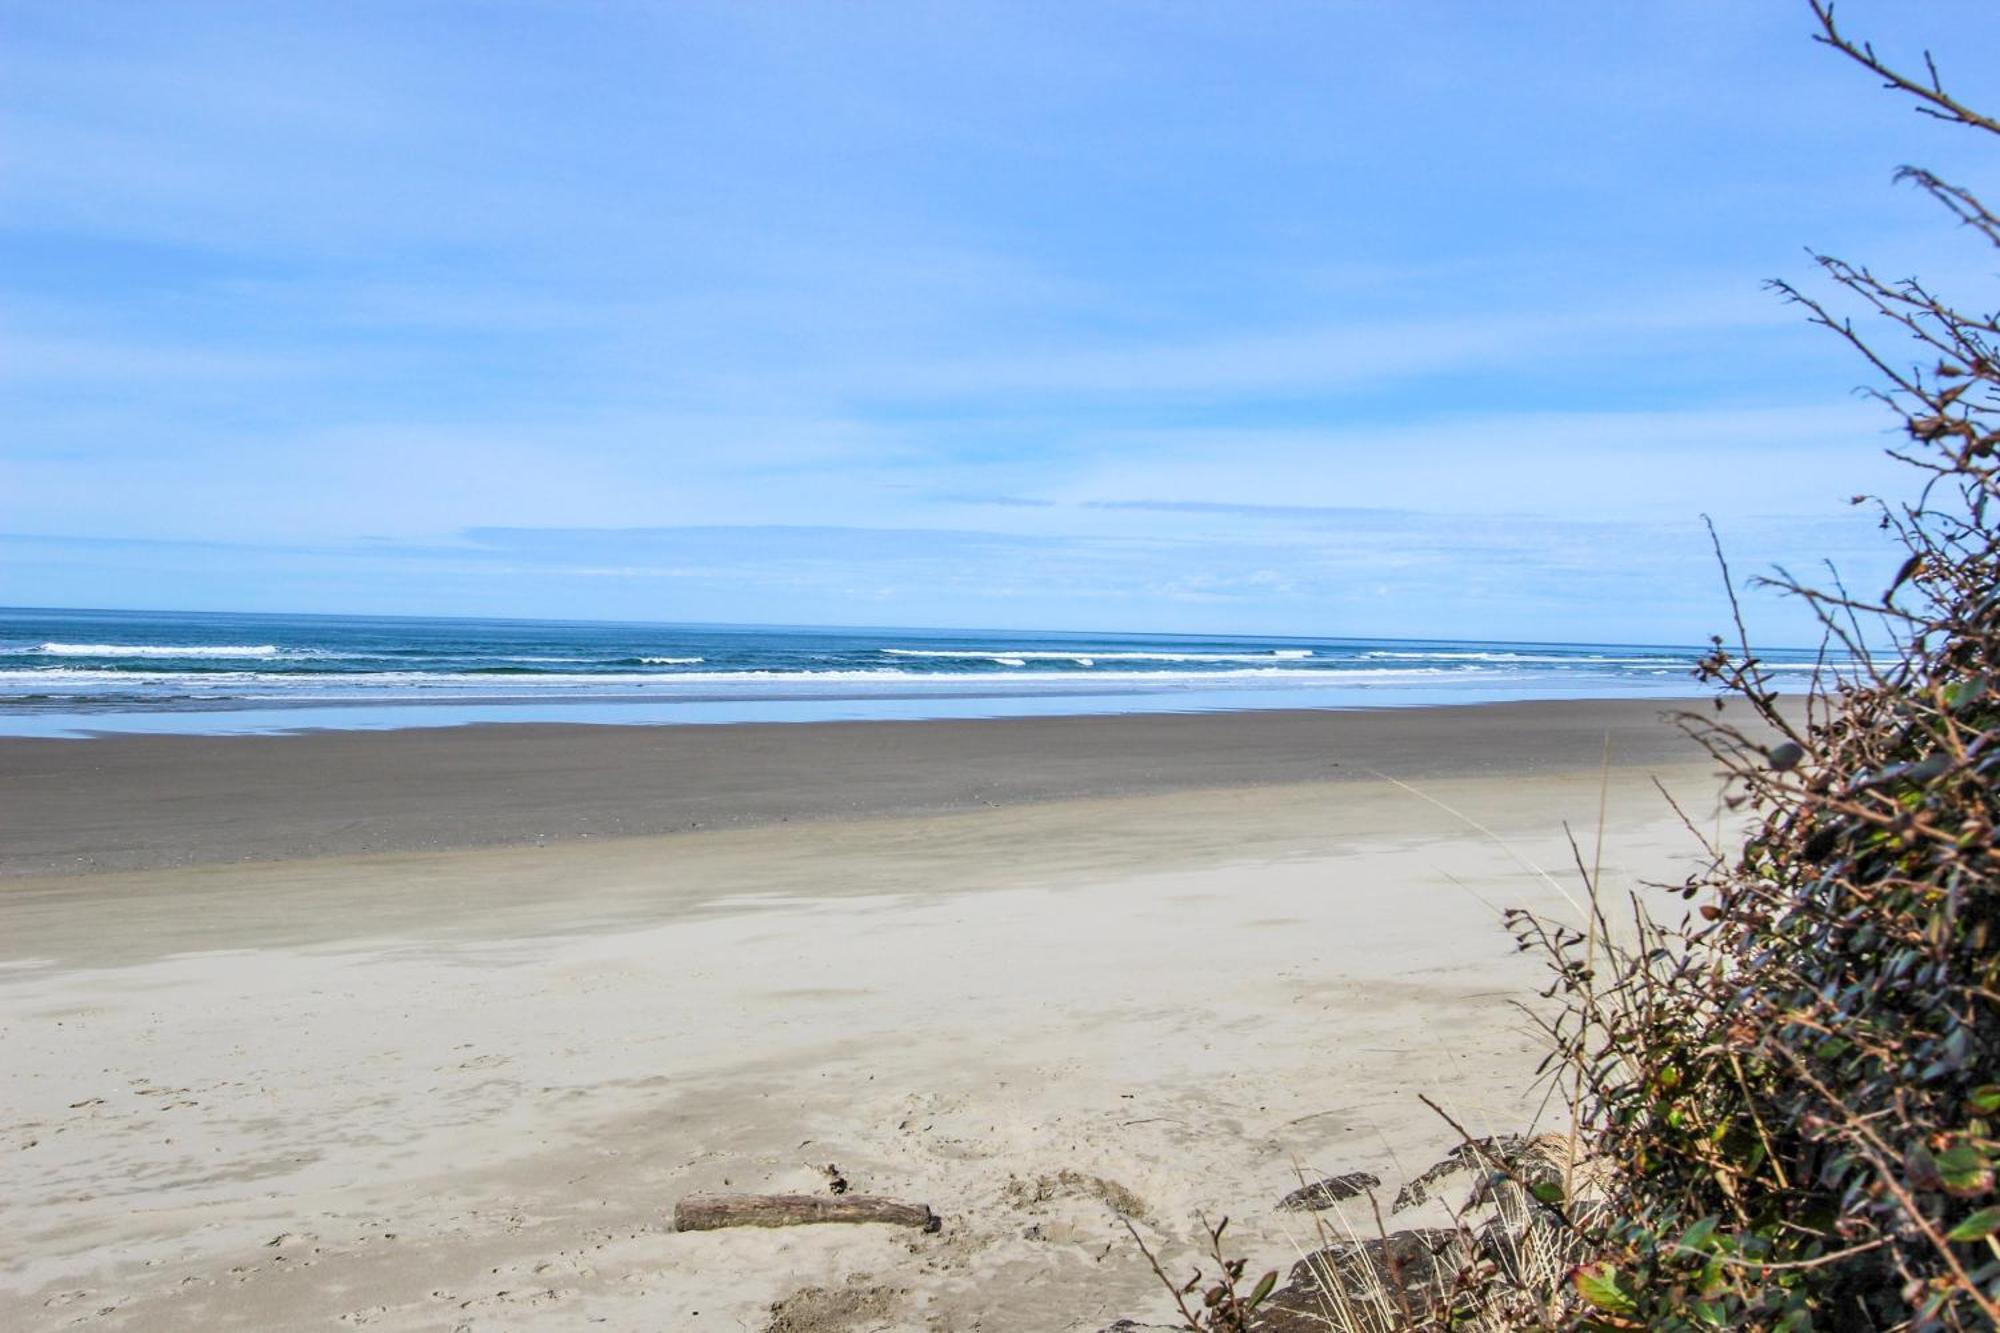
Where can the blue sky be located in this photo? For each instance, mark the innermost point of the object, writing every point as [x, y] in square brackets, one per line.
[1430, 319]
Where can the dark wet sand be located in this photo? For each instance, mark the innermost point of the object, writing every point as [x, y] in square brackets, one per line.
[144, 802]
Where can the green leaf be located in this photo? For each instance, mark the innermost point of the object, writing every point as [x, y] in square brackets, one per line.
[1965, 1170]
[1962, 692]
[1976, 1227]
[1601, 1285]
[1263, 1288]
[1696, 1237]
[1547, 1191]
[1710, 1313]
[1985, 1099]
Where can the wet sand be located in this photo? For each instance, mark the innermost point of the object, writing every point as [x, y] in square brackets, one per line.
[142, 802]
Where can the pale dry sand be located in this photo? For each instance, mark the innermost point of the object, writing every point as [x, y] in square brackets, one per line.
[463, 1089]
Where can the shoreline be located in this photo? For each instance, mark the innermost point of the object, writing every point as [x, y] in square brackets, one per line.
[134, 803]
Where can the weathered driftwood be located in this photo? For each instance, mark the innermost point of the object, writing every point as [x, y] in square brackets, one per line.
[710, 1212]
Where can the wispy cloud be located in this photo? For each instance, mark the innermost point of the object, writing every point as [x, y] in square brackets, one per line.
[1313, 512]
[997, 501]
[1018, 311]
[68, 361]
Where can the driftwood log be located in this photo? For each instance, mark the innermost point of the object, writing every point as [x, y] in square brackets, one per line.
[710, 1212]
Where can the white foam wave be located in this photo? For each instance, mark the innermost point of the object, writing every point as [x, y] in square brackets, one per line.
[1015, 657]
[653, 682]
[672, 661]
[232, 650]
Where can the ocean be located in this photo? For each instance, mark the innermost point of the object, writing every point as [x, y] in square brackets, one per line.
[84, 672]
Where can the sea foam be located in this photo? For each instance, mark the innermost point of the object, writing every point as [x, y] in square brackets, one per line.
[1085, 658]
[156, 650]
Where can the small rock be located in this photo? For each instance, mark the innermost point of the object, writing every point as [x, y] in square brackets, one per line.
[1477, 1162]
[1328, 1192]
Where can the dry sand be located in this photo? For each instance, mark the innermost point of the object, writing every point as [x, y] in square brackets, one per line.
[464, 1088]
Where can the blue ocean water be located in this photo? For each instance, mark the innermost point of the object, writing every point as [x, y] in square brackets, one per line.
[82, 672]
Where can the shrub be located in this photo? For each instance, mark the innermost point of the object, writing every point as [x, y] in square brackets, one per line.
[1797, 1089]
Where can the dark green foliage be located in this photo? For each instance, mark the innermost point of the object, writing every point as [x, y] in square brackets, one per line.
[1796, 1094]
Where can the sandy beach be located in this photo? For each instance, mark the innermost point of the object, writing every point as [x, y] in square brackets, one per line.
[430, 1030]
